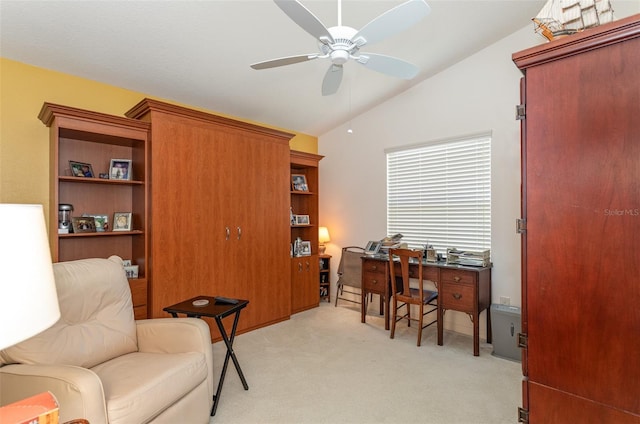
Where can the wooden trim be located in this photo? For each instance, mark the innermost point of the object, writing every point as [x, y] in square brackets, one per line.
[604, 35]
[305, 159]
[50, 111]
[149, 105]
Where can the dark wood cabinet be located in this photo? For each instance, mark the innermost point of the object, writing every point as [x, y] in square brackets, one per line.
[325, 277]
[220, 207]
[581, 232]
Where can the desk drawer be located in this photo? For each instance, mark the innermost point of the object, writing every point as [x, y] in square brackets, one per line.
[375, 267]
[374, 281]
[459, 297]
[457, 276]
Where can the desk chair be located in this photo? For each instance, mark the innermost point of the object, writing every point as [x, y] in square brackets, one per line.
[349, 273]
[404, 295]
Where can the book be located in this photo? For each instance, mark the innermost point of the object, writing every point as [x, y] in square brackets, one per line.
[38, 409]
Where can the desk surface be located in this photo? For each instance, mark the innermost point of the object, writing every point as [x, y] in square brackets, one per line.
[440, 264]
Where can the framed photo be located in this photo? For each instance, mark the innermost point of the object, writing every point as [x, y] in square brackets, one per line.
[301, 219]
[122, 221]
[102, 222]
[81, 169]
[299, 182]
[120, 169]
[131, 271]
[83, 224]
[306, 248]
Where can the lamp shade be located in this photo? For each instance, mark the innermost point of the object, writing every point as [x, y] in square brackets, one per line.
[323, 235]
[28, 299]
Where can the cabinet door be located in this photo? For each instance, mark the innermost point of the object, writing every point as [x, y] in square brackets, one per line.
[581, 196]
[304, 283]
[220, 218]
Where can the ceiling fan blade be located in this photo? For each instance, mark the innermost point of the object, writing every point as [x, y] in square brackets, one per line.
[305, 19]
[283, 61]
[388, 65]
[392, 22]
[332, 80]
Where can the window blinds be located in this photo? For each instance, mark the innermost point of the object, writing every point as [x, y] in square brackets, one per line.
[440, 193]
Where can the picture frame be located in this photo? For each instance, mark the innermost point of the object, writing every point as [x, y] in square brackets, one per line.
[305, 250]
[120, 169]
[102, 222]
[122, 221]
[301, 219]
[81, 169]
[83, 224]
[299, 182]
[131, 271]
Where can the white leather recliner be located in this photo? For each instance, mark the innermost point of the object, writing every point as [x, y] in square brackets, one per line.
[106, 367]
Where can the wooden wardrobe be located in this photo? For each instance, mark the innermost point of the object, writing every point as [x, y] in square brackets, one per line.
[581, 227]
[219, 195]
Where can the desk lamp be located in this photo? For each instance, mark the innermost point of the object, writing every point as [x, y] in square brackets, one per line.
[28, 299]
[323, 238]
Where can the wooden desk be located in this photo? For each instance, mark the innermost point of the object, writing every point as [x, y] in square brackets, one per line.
[461, 288]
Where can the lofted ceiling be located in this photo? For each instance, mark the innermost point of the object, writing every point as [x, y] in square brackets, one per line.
[198, 52]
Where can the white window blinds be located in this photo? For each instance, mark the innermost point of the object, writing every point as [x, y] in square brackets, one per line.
[440, 193]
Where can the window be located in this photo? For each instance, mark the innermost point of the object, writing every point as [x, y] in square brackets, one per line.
[440, 193]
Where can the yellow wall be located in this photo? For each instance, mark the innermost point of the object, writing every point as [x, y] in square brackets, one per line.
[24, 140]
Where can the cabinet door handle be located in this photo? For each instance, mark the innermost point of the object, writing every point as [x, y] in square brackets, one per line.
[299, 266]
[308, 266]
[456, 296]
[239, 233]
[227, 233]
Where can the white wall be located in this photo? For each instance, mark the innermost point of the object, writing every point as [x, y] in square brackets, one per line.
[475, 95]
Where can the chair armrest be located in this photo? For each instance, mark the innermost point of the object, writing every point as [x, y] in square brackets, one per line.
[78, 390]
[177, 335]
[173, 335]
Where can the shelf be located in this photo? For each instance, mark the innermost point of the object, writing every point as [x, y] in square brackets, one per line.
[98, 181]
[303, 193]
[102, 234]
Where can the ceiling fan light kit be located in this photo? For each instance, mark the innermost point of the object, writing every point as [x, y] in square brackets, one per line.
[342, 43]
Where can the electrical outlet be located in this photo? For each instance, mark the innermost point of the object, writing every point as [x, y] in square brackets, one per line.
[504, 300]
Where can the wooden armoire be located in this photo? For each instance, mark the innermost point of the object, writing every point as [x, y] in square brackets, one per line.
[581, 227]
[219, 195]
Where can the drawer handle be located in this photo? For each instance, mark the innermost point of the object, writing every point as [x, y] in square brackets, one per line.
[374, 268]
[456, 296]
[374, 281]
[456, 279]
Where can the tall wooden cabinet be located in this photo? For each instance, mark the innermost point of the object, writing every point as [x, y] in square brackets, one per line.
[305, 293]
[581, 231]
[220, 221]
[94, 138]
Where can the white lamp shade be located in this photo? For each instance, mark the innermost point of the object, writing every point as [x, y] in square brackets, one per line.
[28, 299]
[323, 235]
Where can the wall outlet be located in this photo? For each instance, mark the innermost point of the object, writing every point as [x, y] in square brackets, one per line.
[504, 300]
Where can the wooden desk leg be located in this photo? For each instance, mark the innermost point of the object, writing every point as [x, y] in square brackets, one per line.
[386, 312]
[476, 335]
[440, 323]
[363, 305]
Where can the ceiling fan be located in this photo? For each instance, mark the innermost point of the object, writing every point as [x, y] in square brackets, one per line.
[342, 43]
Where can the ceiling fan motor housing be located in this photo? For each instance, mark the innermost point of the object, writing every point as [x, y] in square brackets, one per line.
[343, 47]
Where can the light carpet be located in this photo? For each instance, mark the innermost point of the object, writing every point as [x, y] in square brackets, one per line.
[325, 366]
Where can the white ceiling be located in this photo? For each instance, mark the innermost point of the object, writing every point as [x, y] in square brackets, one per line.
[199, 52]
